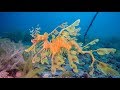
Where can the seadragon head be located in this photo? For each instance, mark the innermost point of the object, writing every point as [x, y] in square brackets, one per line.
[35, 33]
[40, 38]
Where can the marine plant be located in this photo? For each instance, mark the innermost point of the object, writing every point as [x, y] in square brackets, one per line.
[28, 70]
[59, 48]
[10, 54]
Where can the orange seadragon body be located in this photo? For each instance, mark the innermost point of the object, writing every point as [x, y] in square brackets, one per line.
[57, 44]
[65, 40]
[39, 38]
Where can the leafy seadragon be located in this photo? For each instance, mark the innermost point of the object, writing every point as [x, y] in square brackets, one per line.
[64, 42]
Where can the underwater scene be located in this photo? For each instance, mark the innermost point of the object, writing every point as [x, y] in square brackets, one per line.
[59, 44]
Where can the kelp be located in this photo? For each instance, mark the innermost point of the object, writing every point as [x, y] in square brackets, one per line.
[63, 47]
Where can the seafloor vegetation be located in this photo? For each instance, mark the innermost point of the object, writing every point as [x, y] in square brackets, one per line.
[58, 55]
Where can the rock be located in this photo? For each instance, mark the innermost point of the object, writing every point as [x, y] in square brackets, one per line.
[46, 75]
[68, 68]
[18, 74]
[80, 73]
[58, 73]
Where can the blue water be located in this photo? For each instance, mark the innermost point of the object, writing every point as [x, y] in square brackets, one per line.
[106, 24]
[105, 27]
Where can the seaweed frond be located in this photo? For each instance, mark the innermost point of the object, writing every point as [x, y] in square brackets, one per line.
[107, 69]
[57, 63]
[103, 51]
[71, 62]
[28, 70]
[70, 30]
[32, 73]
[30, 48]
[91, 43]
[66, 74]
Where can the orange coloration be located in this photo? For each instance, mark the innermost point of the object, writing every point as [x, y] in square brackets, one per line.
[39, 38]
[46, 44]
[56, 45]
[64, 40]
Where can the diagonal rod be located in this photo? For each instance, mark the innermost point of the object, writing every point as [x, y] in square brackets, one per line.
[89, 26]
